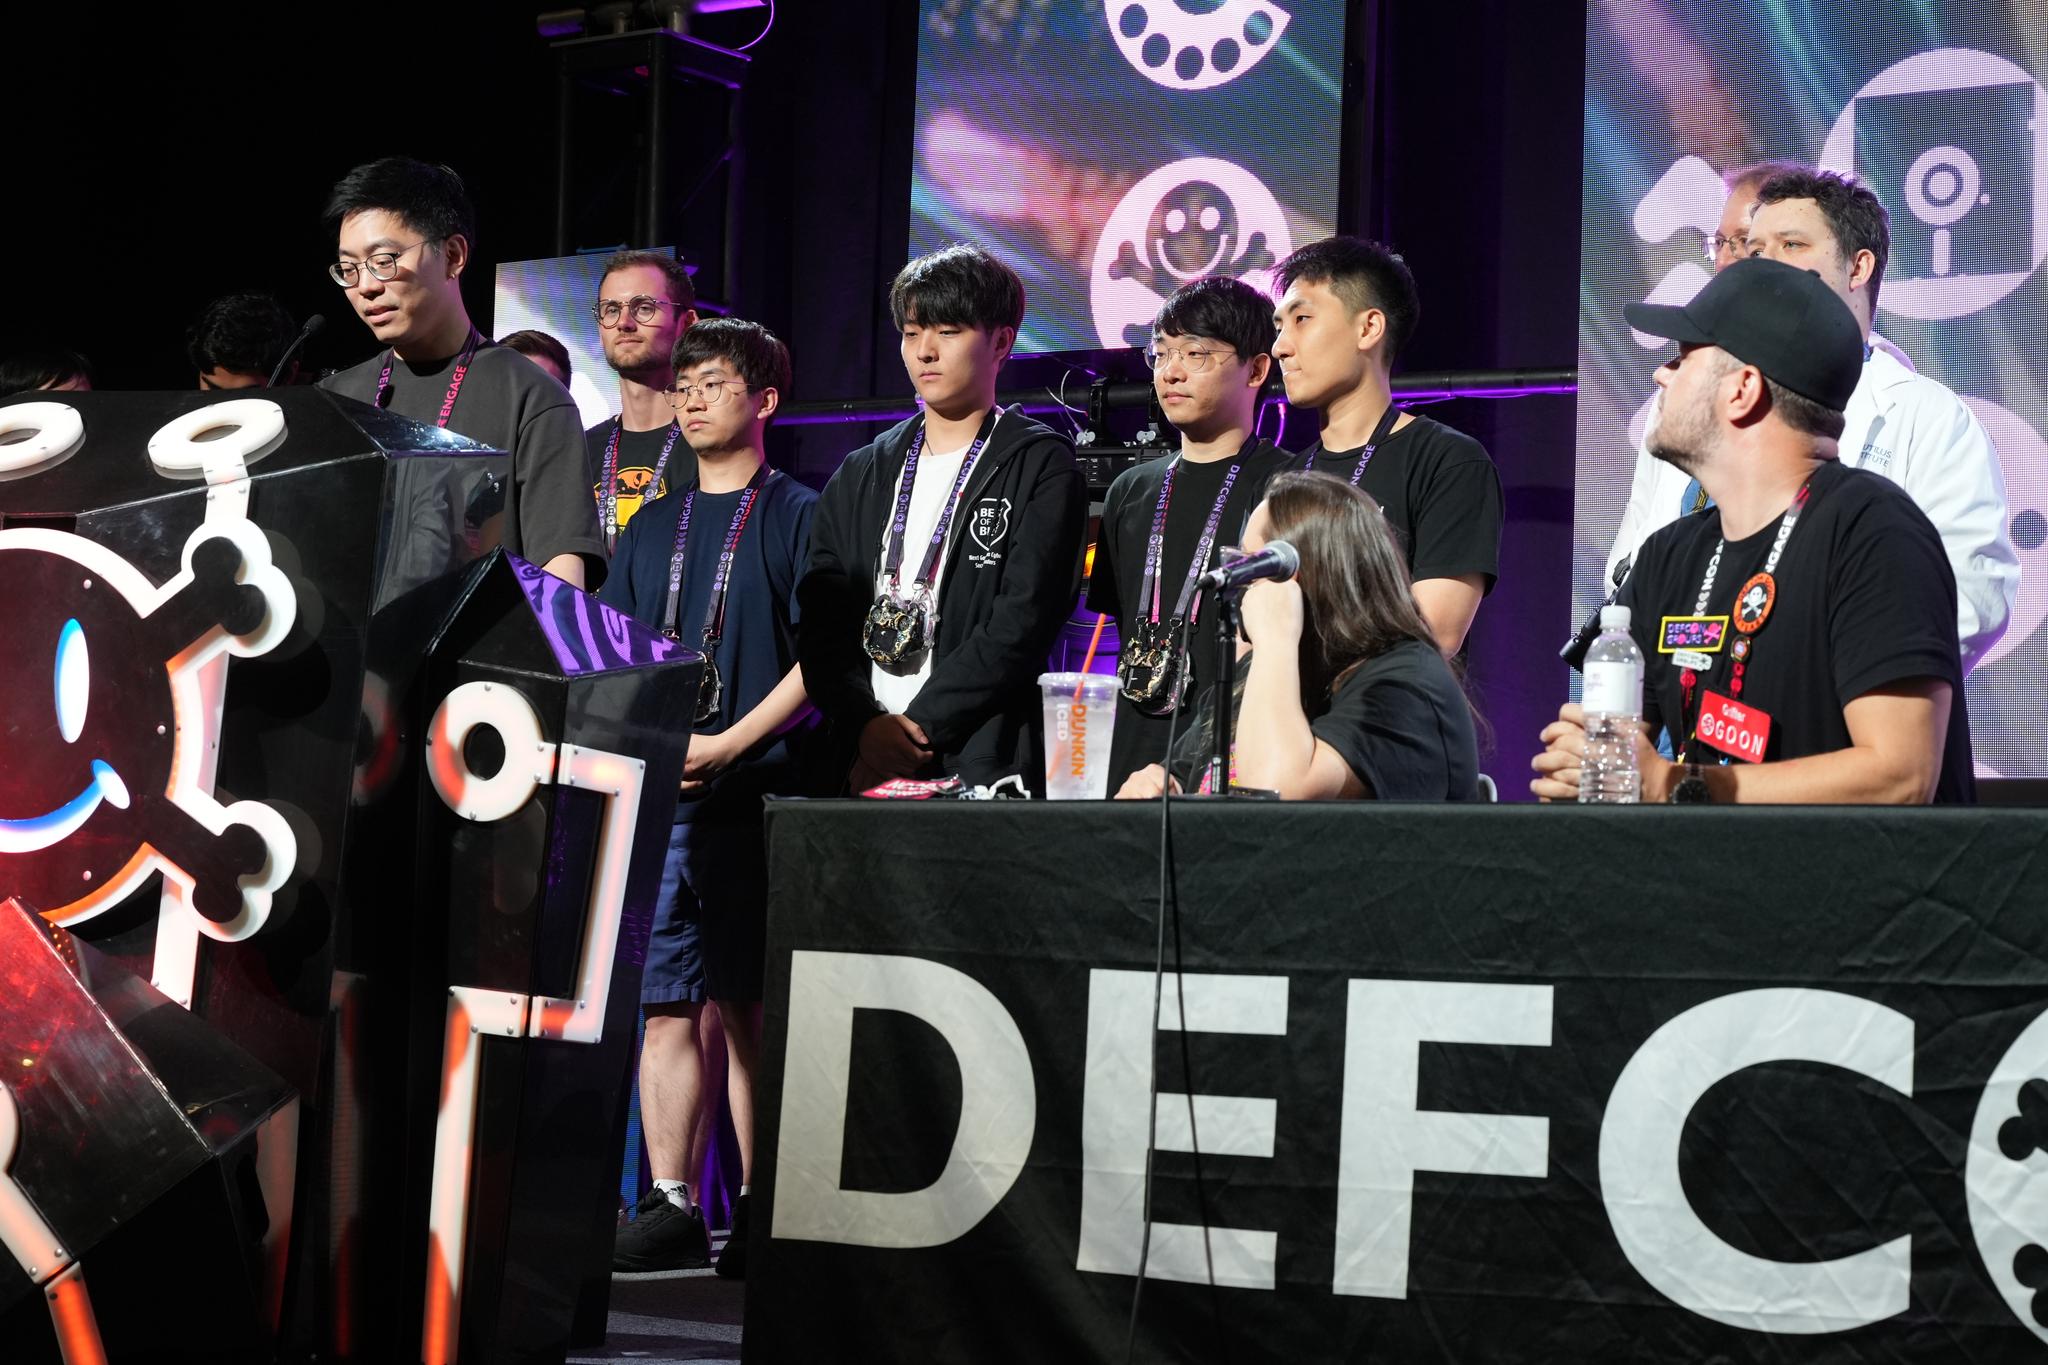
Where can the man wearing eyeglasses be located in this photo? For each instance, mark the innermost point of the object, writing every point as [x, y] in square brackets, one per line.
[1904, 425]
[1209, 360]
[645, 304]
[404, 234]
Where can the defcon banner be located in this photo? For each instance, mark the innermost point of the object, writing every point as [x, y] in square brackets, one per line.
[1404, 1114]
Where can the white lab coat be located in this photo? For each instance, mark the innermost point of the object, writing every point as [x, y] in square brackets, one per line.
[1916, 432]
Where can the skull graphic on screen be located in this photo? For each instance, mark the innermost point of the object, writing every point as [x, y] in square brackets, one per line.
[104, 730]
[1201, 216]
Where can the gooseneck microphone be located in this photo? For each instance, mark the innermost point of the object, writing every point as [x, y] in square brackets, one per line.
[1277, 561]
[313, 324]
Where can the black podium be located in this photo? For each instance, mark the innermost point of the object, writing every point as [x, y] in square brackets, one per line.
[239, 621]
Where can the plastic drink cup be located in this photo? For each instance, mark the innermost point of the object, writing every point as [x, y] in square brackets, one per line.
[1080, 714]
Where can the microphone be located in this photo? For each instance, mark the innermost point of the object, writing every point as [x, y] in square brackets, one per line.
[1277, 561]
[313, 324]
[1574, 651]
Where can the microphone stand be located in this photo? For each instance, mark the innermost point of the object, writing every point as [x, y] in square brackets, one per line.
[1229, 622]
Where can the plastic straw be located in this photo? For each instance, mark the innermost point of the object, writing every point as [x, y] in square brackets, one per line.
[1089, 662]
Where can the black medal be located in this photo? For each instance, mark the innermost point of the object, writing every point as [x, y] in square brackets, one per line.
[710, 688]
[1152, 669]
[898, 628]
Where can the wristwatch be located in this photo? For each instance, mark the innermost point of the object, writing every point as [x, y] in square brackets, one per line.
[1691, 789]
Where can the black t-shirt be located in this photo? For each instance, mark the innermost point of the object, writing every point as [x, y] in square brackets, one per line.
[1116, 583]
[758, 644]
[511, 404]
[1864, 598]
[639, 453]
[1399, 721]
[1441, 494]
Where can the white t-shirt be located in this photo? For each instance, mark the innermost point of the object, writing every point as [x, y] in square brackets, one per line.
[936, 475]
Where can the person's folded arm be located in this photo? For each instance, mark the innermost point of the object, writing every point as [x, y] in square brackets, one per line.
[1897, 735]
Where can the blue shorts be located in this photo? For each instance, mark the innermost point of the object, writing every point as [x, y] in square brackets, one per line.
[710, 923]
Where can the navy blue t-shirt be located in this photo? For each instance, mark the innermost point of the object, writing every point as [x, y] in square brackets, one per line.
[758, 644]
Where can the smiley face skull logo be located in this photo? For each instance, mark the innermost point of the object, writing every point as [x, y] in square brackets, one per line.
[100, 694]
[1201, 216]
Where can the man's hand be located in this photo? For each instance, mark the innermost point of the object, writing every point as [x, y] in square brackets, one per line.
[891, 746]
[1564, 746]
[709, 756]
[1564, 741]
[1147, 784]
[1273, 614]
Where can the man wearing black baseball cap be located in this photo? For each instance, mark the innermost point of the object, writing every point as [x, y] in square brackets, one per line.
[1800, 634]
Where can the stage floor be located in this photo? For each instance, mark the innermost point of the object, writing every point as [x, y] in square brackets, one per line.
[672, 1316]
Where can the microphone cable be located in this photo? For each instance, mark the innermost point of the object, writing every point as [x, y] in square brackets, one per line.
[1169, 891]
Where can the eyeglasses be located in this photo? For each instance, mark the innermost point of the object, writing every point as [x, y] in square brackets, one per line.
[1198, 359]
[1712, 245]
[712, 389]
[382, 265]
[644, 309]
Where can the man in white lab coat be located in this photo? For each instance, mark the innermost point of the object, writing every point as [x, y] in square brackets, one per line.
[1901, 424]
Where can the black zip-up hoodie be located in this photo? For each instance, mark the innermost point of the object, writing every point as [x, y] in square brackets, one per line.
[1013, 567]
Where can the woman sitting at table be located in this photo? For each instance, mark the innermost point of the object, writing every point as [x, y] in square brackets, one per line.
[1342, 692]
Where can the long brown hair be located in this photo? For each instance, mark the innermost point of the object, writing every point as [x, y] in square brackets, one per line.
[1354, 579]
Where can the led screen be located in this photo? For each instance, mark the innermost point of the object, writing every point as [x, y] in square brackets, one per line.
[1939, 108]
[1111, 149]
[555, 296]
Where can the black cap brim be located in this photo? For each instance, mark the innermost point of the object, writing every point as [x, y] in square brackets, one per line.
[1666, 320]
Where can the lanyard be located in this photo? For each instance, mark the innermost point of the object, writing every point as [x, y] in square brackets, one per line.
[714, 611]
[899, 525]
[610, 500]
[1379, 434]
[469, 349]
[1743, 652]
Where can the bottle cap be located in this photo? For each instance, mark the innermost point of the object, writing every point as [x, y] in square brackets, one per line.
[1614, 617]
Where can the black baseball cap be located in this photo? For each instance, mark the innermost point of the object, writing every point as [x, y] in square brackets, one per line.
[1777, 317]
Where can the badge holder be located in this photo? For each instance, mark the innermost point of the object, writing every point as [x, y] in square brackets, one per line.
[1152, 670]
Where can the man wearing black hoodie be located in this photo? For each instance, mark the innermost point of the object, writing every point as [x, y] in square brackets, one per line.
[945, 555]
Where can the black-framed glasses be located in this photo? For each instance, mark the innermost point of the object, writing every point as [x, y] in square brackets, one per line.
[1198, 359]
[644, 307]
[712, 389]
[1714, 243]
[382, 265]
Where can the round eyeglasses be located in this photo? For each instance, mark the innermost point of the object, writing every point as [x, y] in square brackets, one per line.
[644, 308]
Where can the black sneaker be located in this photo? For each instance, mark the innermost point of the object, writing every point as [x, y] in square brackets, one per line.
[732, 1262]
[662, 1237]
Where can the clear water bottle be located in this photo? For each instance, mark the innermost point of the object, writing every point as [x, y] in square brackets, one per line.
[1613, 703]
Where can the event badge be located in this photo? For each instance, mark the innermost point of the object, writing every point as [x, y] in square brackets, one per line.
[1699, 634]
[1737, 730]
[1753, 604]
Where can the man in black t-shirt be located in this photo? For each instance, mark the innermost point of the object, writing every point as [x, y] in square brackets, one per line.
[1347, 310]
[1800, 634]
[404, 233]
[644, 305]
[710, 919]
[1209, 359]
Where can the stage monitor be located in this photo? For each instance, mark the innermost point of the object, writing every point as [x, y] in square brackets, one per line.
[555, 296]
[1941, 111]
[1110, 150]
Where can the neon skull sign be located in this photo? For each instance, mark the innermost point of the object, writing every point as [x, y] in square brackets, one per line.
[105, 771]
